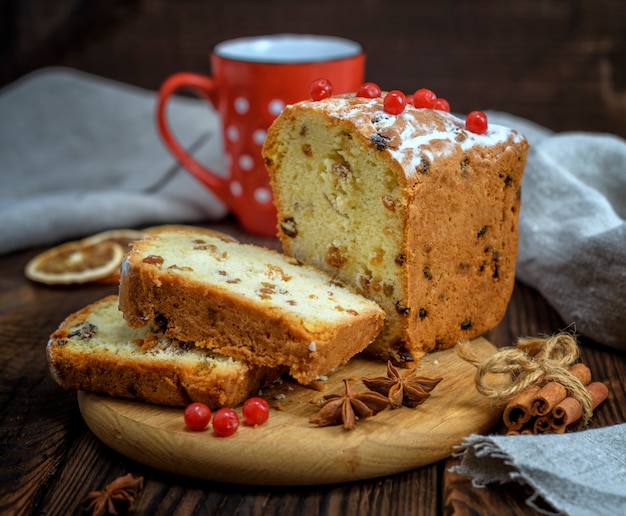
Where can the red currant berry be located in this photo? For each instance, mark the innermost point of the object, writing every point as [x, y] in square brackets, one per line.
[476, 122]
[369, 90]
[255, 411]
[442, 105]
[197, 416]
[409, 99]
[321, 89]
[225, 422]
[424, 98]
[394, 102]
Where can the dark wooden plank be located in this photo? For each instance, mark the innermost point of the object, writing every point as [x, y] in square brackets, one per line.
[557, 62]
[462, 499]
[50, 460]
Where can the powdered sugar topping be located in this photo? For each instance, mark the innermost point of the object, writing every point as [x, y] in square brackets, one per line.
[415, 135]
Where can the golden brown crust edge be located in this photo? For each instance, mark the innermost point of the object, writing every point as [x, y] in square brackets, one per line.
[226, 325]
[496, 227]
[140, 379]
[233, 325]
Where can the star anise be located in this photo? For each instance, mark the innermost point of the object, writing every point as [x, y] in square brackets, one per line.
[117, 497]
[410, 390]
[346, 409]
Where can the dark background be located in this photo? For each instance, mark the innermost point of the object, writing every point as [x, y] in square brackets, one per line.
[561, 63]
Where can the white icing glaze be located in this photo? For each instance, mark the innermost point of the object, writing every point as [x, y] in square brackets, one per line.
[417, 129]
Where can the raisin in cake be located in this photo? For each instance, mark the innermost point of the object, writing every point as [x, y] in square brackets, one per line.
[245, 301]
[95, 350]
[413, 210]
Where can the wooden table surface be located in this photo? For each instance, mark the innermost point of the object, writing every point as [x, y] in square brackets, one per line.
[51, 460]
[557, 62]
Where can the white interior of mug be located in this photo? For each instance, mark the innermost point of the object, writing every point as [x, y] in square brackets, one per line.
[288, 48]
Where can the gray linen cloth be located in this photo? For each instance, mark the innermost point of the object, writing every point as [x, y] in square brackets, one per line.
[573, 250]
[579, 473]
[572, 227]
[80, 154]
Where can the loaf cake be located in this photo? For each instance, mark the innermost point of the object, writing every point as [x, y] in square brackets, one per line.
[414, 210]
[245, 301]
[95, 350]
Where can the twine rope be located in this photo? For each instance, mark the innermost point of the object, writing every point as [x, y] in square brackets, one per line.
[532, 361]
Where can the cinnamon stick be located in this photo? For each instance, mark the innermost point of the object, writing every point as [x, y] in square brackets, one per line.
[565, 413]
[582, 372]
[570, 410]
[547, 397]
[543, 425]
[517, 411]
[533, 402]
[553, 393]
[527, 430]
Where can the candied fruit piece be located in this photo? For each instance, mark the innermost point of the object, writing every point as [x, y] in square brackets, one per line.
[401, 309]
[388, 289]
[381, 142]
[274, 271]
[389, 203]
[179, 268]
[423, 167]
[86, 331]
[160, 322]
[340, 170]
[333, 257]
[289, 227]
[153, 259]
[215, 251]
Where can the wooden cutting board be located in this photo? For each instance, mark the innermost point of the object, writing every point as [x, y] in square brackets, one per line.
[288, 450]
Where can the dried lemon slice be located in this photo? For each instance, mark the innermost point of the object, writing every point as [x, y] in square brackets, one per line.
[76, 262]
[123, 237]
[120, 236]
[198, 229]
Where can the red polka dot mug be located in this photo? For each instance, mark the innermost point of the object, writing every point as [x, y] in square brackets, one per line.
[252, 80]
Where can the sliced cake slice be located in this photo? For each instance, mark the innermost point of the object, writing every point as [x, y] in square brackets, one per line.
[245, 301]
[95, 350]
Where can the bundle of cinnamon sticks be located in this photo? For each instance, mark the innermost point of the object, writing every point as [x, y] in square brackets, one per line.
[549, 408]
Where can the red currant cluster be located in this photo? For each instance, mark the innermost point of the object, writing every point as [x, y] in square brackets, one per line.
[197, 415]
[395, 101]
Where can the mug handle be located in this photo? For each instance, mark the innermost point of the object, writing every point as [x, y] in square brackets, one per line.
[206, 88]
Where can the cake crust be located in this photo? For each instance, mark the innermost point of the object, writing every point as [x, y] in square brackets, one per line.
[246, 302]
[94, 350]
[419, 214]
